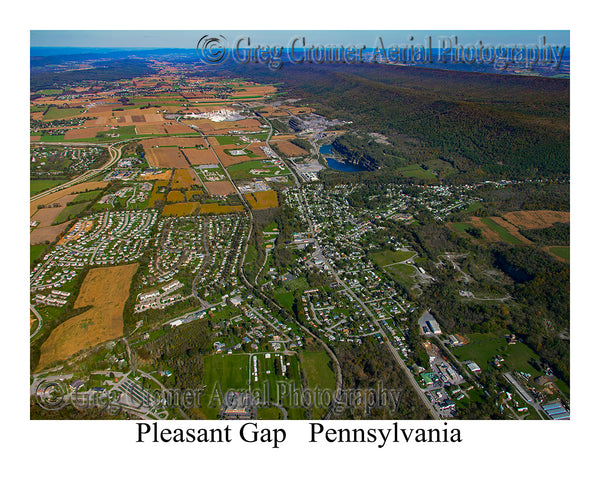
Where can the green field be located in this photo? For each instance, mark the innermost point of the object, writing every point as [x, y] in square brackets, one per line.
[229, 140]
[285, 299]
[503, 232]
[35, 251]
[222, 373]
[284, 294]
[70, 211]
[474, 207]
[562, 252]
[416, 171]
[461, 226]
[242, 170]
[55, 113]
[49, 91]
[386, 257]
[37, 186]
[402, 273]
[86, 196]
[273, 386]
[484, 346]
[317, 370]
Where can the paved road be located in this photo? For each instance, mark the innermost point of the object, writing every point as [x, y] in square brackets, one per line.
[40, 321]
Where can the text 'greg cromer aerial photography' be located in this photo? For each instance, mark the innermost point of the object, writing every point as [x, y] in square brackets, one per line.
[300, 226]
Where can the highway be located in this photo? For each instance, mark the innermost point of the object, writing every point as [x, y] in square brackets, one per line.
[115, 155]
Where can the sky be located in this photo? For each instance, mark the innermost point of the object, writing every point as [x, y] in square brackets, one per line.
[189, 38]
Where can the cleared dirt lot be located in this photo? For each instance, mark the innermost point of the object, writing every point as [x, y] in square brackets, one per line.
[104, 289]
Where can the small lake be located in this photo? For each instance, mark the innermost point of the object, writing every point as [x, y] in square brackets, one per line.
[343, 166]
[337, 165]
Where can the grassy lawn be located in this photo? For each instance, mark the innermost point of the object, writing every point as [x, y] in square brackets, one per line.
[562, 252]
[503, 232]
[37, 186]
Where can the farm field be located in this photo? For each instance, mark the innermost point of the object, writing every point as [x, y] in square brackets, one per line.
[220, 188]
[180, 209]
[51, 198]
[47, 216]
[105, 290]
[35, 251]
[215, 208]
[260, 200]
[528, 219]
[37, 186]
[70, 212]
[81, 133]
[561, 252]
[197, 156]
[184, 178]
[166, 157]
[55, 113]
[502, 231]
[47, 234]
[289, 149]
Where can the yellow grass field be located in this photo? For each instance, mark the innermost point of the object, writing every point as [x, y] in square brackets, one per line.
[184, 178]
[155, 195]
[106, 290]
[180, 209]
[166, 175]
[175, 196]
[206, 208]
[260, 200]
[526, 219]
